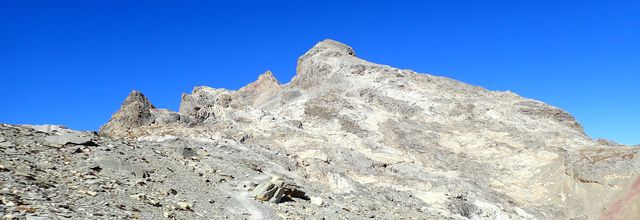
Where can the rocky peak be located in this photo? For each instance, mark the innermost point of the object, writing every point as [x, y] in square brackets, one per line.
[266, 82]
[139, 98]
[135, 111]
[318, 64]
[329, 48]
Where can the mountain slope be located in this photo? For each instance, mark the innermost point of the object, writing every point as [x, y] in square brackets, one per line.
[373, 141]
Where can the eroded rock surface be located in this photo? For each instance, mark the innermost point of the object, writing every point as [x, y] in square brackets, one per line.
[356, 139]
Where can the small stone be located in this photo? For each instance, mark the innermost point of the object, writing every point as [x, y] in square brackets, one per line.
[187, 152]
[296, 123]
[316, 201]
[314, 154]
[91, 193]
[184, 206]
[169, 215]
[139, 196]
[26, 209]
[254, 167]
[96, 168]
[44, 165]
[153, 202]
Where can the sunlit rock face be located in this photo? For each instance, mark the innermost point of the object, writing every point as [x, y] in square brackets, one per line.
[354, 139]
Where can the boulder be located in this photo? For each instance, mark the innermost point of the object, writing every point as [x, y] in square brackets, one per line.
[277, 189]
[271, 191]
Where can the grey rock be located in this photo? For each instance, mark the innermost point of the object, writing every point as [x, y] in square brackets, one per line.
[187, 152]
[271, 190]
[202, 103]
[137, 111]
[276, 189]
[296, 124]
[75, 138]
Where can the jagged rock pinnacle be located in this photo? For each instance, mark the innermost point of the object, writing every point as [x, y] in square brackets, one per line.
[135, 111]
[137, 96]
[266, 82]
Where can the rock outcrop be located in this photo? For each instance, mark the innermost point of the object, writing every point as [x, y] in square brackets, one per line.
[136, 111]
[321, 65]
[259, 91]
[357, 140]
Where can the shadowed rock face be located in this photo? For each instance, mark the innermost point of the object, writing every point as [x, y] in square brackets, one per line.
[136, 111]
[266, 83]
[363, 140]
[319, 64]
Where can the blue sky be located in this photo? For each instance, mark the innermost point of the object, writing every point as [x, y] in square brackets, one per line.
[73, 62]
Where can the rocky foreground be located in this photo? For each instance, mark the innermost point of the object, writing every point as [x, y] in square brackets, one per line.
[345, 139]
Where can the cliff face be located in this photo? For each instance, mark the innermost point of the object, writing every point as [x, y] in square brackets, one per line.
[360, 139]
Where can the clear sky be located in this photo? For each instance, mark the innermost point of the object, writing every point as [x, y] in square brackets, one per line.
[74, 62]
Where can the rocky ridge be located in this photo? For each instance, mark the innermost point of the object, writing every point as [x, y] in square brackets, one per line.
[345, 139]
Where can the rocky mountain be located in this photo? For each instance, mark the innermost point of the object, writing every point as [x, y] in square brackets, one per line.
[345, 139]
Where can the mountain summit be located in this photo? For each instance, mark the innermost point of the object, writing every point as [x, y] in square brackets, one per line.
[348, 138]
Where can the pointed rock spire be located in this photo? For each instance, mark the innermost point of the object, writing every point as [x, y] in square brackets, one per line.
[137, 96]
[266, 83]
[135, 111]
